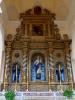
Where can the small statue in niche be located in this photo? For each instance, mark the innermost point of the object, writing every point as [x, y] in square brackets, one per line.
[57, 34]
[60, 72]
[38, 69]
[37, 30]
[57, 74]
[16, 73]
[37, 64]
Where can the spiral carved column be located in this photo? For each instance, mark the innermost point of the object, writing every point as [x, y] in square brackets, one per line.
[7, 62]
[24, 70]
[68, 58]
[51, 65]
[69, 66]
[25, 65]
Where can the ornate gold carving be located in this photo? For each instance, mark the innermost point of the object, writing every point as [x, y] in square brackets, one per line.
[27, 43]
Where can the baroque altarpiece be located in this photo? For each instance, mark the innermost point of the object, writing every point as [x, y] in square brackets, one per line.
[37, 57]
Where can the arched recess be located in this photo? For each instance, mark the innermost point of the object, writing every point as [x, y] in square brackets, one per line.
[38, 70]
[16, 72]
[59, 72]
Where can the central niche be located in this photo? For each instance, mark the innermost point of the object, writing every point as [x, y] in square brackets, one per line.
[38, 72]
[37, 29]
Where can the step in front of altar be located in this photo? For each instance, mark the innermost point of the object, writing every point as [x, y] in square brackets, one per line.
[36, 96]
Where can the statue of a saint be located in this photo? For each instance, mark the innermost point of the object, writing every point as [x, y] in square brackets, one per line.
[16, 73]
[13, 73]
[37, 64]
[60, 72]
[57, 74]
[38, 69]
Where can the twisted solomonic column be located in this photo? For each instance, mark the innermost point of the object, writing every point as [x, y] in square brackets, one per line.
[51, 61]
[68, 63]
[7, 64]
[68, 59]
[7, 60]
[25, 62]
[69, 66]
[51, 67]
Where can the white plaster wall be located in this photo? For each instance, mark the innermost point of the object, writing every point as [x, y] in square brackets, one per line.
[2, 54]
[71, 29]
[1, 49]
[73, 50]
[1, 46]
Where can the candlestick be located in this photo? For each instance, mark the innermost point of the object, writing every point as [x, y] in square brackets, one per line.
[15, 88]
[16, 78]
[27, 78]
[71, 78]
[16, 73]
[71, 74]
[5, 80]
[60, 74]
[72, 85]
[49, 80]
[4, 85]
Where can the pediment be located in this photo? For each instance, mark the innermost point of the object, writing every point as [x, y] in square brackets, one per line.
[37, 25]
[37, 11]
